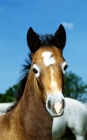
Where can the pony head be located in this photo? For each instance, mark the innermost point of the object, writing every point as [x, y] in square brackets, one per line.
[49, 66]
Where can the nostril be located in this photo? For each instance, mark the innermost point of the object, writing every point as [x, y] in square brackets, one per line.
[49, 104]
[63, 103]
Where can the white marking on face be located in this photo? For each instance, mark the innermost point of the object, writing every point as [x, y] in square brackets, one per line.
[53, 83]
[57, 97]
[54, 86]
[36, 68]
[63, 66]
[48, 59]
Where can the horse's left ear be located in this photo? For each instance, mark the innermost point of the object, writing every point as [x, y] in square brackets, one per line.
[60, 37]
[33, 40]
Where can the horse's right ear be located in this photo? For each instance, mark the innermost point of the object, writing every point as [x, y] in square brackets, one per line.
[33, 40]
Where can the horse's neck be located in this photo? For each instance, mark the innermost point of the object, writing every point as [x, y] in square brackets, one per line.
[37, 121]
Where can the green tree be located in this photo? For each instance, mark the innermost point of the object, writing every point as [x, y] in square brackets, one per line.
[73, 85]
[9, 95]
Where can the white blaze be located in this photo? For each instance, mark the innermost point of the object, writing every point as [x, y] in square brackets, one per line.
[53, 83]
[47, 58]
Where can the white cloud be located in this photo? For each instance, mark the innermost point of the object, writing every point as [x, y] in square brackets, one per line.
[68, 25]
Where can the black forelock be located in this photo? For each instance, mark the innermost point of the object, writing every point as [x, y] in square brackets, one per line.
[47, 40]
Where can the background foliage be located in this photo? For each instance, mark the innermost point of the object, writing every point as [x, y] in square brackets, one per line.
[74, 85]
[9, 95]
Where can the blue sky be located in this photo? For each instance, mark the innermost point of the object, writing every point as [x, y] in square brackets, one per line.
[16, 16]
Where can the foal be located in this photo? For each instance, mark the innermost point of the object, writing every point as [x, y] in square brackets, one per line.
[42, 99]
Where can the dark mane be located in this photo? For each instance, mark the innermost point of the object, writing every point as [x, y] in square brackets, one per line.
[22, 82]
[46, 40]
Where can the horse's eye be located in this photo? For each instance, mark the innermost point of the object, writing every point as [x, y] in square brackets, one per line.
[35, 70]
[65, 67]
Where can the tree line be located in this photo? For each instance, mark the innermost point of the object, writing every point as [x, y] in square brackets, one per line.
[73, 86]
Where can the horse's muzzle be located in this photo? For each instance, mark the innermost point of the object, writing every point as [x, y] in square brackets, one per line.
[55, 105]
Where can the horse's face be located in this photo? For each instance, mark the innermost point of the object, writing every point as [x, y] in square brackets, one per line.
[49, 68]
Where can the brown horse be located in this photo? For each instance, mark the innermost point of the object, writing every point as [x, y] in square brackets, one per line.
[42, 99]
